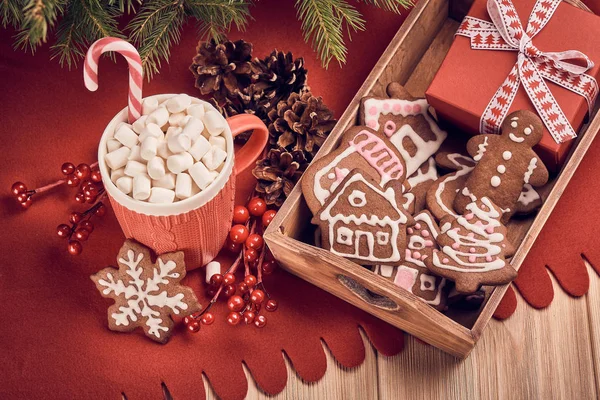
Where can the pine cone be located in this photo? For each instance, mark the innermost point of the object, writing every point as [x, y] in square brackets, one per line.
[277, 77]
[302, 123]
[223, 69]
[278, 173]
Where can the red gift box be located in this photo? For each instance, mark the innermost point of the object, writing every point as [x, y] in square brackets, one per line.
[469, 78]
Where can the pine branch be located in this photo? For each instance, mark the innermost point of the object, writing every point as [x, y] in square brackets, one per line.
[10, 12]
[216, 17]
[390, 5]
[38, 17]
[125, 5]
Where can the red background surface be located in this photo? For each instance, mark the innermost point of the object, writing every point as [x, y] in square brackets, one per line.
[54, 339]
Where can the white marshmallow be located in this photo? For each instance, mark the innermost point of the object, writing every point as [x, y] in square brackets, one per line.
[213, 267]
[151, 130]
[161, 195]
[162, 149]
[112, 145]
[200, 147]
[193, 129]
[214, 122]
[185, 120]
[179, 143]
[196, 110]
[117, 158]
[176, 118]
[195, 189]
[183, 186]
[178, 103]
[141, 187]
[156, 168]
[201, 175]
[136, 154]
[134, 168]
[167, 181]
[172, 131]
[149, 105]
[160, 116]
[178, 163]
[139, 125]
[125, 184]
[214, 158]
[218, 141]
[116, 174]
[149, 148]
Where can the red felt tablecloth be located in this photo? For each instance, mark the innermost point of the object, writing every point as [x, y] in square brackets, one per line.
[54, 341]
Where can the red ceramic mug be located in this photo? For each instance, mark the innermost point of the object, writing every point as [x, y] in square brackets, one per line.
[200, 224]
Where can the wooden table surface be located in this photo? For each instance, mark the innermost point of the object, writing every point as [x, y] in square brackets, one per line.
[535, 354]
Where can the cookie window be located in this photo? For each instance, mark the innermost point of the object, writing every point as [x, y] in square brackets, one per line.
[344, 236]
[427, 283]
[357, 198]
[383, 238]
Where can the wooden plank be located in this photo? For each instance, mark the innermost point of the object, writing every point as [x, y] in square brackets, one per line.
[535, 354]
[592, 299]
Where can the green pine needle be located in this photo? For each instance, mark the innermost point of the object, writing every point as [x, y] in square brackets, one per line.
[125, 5]
[216, 17]
[38, 17]
[11, 13]
[390, 5]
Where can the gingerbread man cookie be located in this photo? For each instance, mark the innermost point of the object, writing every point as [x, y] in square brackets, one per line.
[406, 121]
[361, 148]
[363, 222]
[505, 163]
[473, 248]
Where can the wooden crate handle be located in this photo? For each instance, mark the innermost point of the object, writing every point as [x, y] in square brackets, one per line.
[376, 300]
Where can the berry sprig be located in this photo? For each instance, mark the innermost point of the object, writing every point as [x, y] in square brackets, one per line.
[81, 227]
[248, 296]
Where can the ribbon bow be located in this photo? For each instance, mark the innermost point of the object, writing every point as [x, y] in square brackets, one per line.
[533, 66]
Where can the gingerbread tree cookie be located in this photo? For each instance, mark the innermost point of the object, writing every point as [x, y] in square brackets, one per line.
[505, 163]
[363, 222]
[406, 121]
[473, 248]
[146, 294]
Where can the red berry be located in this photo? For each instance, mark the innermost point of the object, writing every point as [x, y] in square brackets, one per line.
[95, 176]
[260, 321]
[229, 290]
[235, 248]
[188, 319]
[257, 206]
[267, 217]
[75, 217]
[257, 296]
[72, 181]
[236, 303]
[234, 318]
[211, 291]
[193, 327]
[81, 234]
[207, 318]
[242, 288]
[271, 305]
[240, 215]
[87, 225]
[250, 280]
[90, 199]
[269, 266]
[82, 171]
[27, 203]
[74, 247]
[101, 210]
[80, 197]
[254, 241]
[249, 317]
[238, 234]
[63, 230]
[22, 197]
[90, 191]
[229, 278]
[17, 188]
[67, 168]
[251, 256]
[216, 280]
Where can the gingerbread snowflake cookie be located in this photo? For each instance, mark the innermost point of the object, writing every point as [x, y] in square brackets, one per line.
[360, 148]
[505, 163]
[406, 121]
[474, 248]
[363, 222]
[146, 294]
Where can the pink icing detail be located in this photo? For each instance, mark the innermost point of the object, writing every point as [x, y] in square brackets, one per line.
[410, 231]
[391, 167]
[472, 259]
[373, 110]
[417, 109]
[503, 245]
[417, 226]
[407, 253]
[407, 108]
[428, 243]
[339, 175]
[488, 258]
[405, 280]
[489, 229]
[469, 216]
[470, 235]
[389, 129]
[472, 250]
[445, 261]
[372, 123]
[416, 255]
[397, 108]
[386, 106]
[423, 257]
[455, 246]
[425, 233]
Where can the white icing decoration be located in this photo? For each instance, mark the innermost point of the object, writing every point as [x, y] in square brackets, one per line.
[371, 220]
[331, 175]
[407, 108]
[345, 236]
[403, 270]
[495, 181]
[507, 155]
[427, 279]
[481, 149]
[357, 198]
[419, 177]
[514, 124]
[320, 192]
[532, 165]
[501, 169]
[409, 199]
[142, 296]
[383, 238]
[464, 169]
[516, 139]
[528, 195]
[385, 270]
[527, 131]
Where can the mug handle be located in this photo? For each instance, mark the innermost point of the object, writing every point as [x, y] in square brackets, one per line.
[247, 155]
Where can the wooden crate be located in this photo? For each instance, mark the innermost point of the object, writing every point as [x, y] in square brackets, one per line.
[412, 58]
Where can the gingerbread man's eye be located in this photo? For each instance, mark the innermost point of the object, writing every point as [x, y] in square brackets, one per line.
[527, 131]
[514, 124]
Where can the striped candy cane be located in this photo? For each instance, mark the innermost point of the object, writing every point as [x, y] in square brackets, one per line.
[90, 70]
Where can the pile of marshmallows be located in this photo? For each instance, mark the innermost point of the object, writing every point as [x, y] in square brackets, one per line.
[173, 151]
